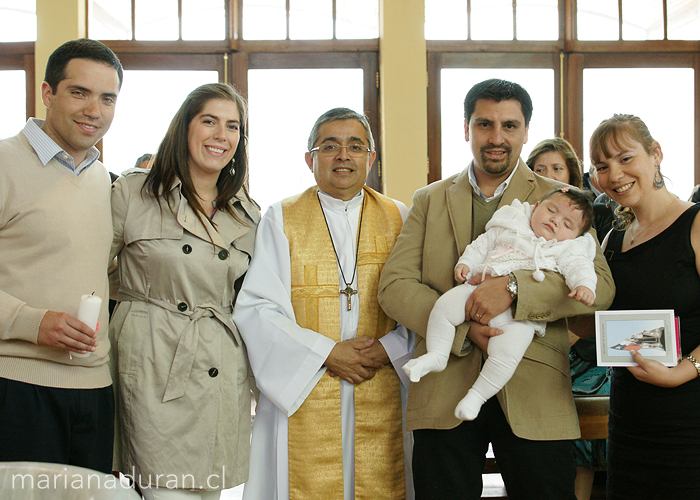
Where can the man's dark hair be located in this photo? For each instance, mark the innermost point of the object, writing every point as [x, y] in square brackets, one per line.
[142, 159]
[83, 48]
[498, 90]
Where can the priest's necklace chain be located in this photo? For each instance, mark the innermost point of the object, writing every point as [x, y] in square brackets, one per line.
[349, 291]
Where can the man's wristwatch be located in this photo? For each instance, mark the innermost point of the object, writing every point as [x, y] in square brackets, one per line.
[512, 286]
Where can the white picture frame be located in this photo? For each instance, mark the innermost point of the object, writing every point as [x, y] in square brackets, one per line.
[654, 333]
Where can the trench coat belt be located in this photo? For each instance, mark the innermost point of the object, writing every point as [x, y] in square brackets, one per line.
[183, 359]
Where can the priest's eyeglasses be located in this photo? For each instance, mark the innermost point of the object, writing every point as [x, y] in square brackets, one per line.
[333, 149]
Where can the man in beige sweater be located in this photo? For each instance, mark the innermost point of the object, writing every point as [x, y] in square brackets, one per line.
[56, 400]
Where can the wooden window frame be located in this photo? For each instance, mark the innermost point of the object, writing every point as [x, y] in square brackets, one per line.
[568, 57]
[20, 56]
[440, 60]
[233, 66]
[367, 61]
[580, 61]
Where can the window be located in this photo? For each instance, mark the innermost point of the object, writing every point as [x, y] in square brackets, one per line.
[157, 19]
[597, 20]
[491, 20]
[640, 20]
[456, 152]
[592, 58]
[310, 19]
[145, 107]
[17, 21]
[317, 60]
[110, 20]
[281, 117]
[286, 96]
[13, 111]
[209, 19]
[17, 34]
[669, 119]
[683, 19]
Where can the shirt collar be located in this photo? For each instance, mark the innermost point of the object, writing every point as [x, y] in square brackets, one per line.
[499, 190]
[330, 203]
[47, 149]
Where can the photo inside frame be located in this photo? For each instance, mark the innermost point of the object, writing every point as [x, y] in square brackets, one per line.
[651, 333]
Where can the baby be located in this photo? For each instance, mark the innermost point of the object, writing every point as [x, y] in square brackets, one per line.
[551, 235]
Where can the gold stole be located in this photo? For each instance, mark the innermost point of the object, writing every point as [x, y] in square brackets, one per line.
[315, 445]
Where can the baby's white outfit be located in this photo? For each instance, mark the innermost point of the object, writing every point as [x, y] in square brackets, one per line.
[508, 244]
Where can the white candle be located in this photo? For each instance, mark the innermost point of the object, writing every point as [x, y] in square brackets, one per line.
[89, 313]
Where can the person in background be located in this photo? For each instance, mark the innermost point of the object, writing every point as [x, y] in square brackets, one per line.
[556, 159]
[604, 208]
[654, 259]
[144, 161]
[184, 235]
[695, 194]
[56, 397]
[326, 358]
[532, 421]
[590, 183]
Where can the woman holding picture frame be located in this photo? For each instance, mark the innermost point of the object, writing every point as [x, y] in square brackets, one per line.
[654, 255]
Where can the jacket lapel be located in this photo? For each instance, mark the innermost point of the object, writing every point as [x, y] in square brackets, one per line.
[242, 236]
[187, 218]
[228, 231]
[459, 209]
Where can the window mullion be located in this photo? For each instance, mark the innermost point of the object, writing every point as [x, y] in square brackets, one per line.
[619, 20]
[133, 19]
[665, 10]
[288, 7]
[469, 19]
[335, 18]
[179, 19]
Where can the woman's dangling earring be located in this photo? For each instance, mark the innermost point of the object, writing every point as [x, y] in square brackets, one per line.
[233, 165]
[658, 178]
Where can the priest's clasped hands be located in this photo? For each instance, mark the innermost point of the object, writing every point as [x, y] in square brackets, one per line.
[356, 360]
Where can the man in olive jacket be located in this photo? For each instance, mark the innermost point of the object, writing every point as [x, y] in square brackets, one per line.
[533, 419]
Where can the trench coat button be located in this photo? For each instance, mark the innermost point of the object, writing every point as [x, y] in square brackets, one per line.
[186, 249]
[223, 255]
[182, 307]
[213, 372]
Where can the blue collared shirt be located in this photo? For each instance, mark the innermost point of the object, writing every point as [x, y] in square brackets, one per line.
[499, 190]
[46, 148]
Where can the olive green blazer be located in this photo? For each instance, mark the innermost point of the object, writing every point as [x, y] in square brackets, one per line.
[537, 401]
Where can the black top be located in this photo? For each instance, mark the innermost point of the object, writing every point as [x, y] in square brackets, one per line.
[654, 428]
[660, 274]
[657, 274]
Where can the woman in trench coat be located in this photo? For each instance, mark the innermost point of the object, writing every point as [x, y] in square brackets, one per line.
[184, 235]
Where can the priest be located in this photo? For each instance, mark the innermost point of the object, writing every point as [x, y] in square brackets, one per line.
[330, 420]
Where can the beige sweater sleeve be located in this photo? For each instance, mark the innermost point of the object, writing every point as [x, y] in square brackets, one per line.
[18, 321]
